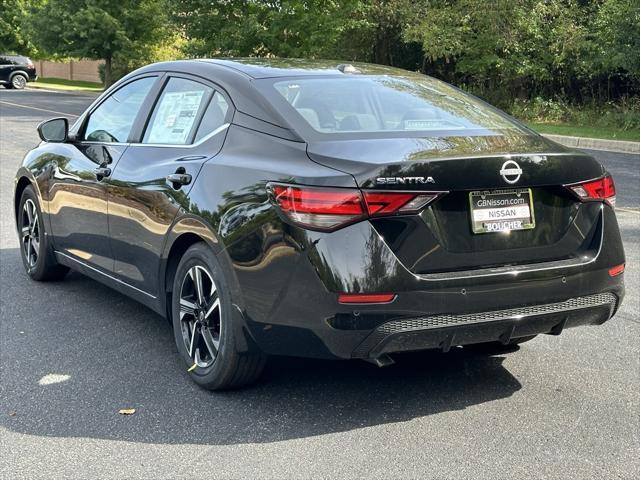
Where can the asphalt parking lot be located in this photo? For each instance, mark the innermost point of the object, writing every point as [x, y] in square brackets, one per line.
[73, 353]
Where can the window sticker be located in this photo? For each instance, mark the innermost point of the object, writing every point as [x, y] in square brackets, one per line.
[175, 117]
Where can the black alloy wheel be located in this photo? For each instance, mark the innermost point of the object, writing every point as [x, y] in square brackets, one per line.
[35, 249]
[200, 316]
[30, 233]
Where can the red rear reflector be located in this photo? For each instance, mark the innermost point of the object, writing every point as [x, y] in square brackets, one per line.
[603, 189]
[617, 270]
[366, 298]
[328, 209]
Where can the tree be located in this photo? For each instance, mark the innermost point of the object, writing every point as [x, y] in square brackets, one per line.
[383, 22]
[285, 28]
[509, 48]
[13, 39]
[100, 29]
[355, 30]
[617, 27]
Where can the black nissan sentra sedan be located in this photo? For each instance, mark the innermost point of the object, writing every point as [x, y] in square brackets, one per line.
[318, 209]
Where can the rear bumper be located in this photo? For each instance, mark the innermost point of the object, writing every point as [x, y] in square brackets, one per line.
[444, 331]
[291, 297]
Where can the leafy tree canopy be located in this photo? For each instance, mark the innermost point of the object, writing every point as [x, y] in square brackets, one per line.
[99, 29]
[512, 48]
[501, 49]
[13, 38]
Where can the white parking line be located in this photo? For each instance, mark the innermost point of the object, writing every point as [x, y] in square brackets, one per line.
[40, 109]
[628, 210]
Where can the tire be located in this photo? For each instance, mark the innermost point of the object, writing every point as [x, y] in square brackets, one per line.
[18, 81]
[35, 249]
[494, 348]
[202, 325]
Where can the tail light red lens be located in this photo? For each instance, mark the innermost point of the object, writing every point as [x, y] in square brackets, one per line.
[389, 203]
[328, 209]
[603, 190]
[319, 208]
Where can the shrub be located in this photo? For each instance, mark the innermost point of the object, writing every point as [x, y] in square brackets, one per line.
[623, 114]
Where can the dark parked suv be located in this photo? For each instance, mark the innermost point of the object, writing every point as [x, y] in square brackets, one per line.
[16, 71]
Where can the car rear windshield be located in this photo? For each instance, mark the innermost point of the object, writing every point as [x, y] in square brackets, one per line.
[395, 105]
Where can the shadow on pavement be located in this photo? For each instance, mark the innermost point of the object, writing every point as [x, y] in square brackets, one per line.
[117, 354]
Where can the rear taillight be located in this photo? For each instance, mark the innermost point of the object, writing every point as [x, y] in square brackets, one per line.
[390, 203]
[603, 190]
[327, 209]
[323, 209]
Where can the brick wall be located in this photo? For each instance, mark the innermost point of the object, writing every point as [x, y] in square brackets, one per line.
[86, 70]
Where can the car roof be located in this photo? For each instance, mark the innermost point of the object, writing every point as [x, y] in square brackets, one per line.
[296, 67]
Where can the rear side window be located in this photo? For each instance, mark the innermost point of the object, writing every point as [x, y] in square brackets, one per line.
[14, 60]
[9, 60]
[113, 119]
[177, 112]
[214, 116]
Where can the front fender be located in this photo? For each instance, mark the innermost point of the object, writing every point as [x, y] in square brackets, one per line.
[39, 180]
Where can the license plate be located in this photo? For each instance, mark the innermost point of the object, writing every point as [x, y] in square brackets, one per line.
[502, 210]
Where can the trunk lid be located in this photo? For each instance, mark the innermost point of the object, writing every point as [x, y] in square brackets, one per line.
[455, 163]
[441, 239]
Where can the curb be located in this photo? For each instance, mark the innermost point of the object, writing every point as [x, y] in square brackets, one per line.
[596, 143]
[55, 90]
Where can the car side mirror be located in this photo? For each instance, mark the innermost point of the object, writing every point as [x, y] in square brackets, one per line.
[55, 130]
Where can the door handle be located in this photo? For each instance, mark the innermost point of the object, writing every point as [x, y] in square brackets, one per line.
[191, 158]
[102, 172]
[179, 179]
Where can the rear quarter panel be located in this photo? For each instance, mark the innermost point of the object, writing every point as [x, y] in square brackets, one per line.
[228, 204]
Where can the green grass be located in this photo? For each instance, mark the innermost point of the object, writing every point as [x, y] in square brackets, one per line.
[608, 133]
[67, 85]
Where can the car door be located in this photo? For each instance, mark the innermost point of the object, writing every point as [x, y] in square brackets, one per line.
[77, 188]
[152, 179]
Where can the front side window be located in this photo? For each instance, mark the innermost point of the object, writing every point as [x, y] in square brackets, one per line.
[177, 112]
[113, 119]
[381, 104]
